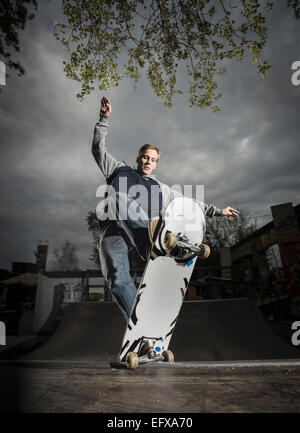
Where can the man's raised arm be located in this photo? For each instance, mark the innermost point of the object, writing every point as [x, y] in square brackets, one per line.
[209, 210]
[106, 162]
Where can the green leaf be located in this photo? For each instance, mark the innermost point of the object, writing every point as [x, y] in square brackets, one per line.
[160, 38]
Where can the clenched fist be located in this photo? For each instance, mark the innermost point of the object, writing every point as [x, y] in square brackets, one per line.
[105, 107]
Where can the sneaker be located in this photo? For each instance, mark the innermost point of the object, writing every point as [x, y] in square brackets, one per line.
[147, 349]
[153, 228]
[144, 348]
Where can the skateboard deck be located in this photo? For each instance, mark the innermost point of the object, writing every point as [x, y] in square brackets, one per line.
[165, 280]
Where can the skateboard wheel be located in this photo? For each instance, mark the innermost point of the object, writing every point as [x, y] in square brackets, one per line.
[205, 251]
[132, 360]
[170, 241]
[168, 356]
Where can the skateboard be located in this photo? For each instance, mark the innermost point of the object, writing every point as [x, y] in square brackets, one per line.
[176, 245]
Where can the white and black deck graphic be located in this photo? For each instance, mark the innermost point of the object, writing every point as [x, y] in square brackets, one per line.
[164, 283]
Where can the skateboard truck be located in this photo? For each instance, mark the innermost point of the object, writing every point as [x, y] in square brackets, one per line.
[147, 353]
[147, 348]
[184, 247]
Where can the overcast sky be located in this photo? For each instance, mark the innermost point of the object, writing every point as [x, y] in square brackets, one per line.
[247, 156]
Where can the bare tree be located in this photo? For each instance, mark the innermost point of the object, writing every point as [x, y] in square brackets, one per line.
[65, 258]
[221, 232]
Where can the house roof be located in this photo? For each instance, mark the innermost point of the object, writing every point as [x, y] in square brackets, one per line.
[27, 279]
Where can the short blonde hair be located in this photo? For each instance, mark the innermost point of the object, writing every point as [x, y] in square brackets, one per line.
[145, 147]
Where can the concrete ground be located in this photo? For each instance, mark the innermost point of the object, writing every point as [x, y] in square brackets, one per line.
[70, 387]
[73, 370]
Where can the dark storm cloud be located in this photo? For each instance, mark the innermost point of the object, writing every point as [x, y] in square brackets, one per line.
[246, 156]
[39, 169]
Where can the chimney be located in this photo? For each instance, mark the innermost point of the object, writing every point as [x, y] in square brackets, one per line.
[41, 255]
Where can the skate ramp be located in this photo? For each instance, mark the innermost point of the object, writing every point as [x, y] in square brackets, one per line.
[87, 332]
[227, 330]
[221, 330]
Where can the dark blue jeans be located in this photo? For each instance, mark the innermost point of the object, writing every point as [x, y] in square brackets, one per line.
[116, 237]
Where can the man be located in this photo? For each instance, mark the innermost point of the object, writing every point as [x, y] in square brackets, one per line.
[127, 226]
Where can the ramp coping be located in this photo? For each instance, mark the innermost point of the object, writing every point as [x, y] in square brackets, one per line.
[189, 364]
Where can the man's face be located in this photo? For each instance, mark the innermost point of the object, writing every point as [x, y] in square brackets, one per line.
[147, 162]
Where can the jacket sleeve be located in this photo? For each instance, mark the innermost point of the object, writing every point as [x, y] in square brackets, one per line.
[105, 161]
[210, 210]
